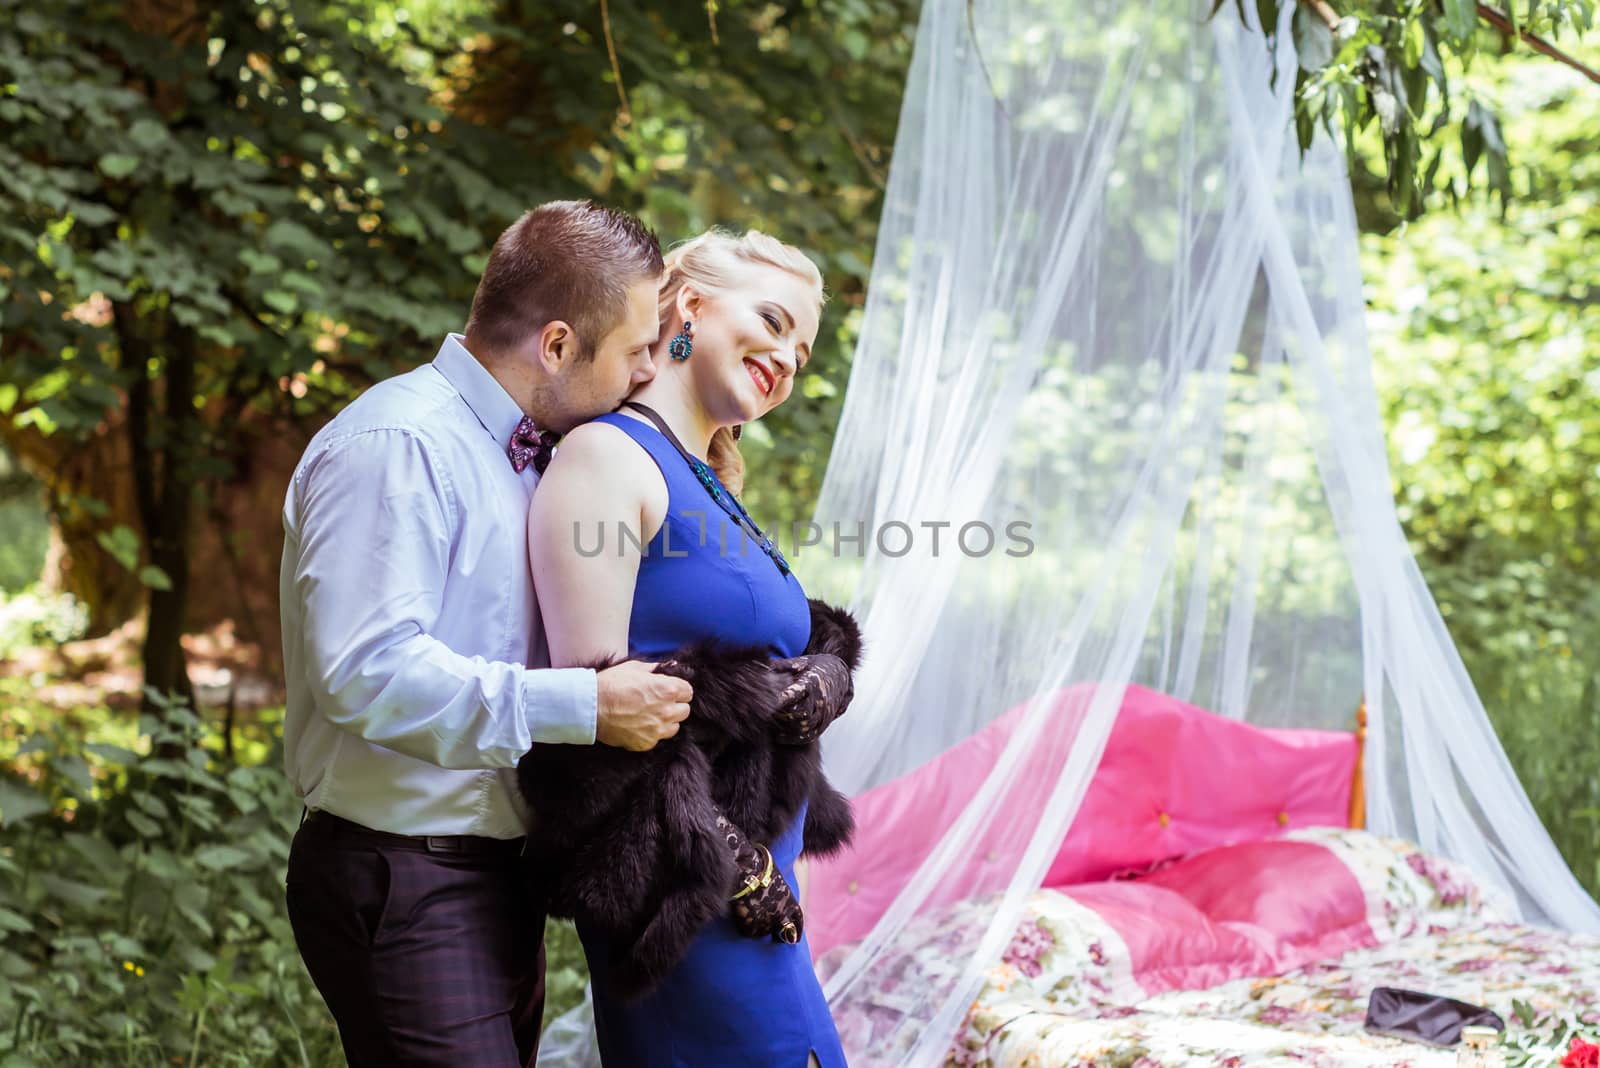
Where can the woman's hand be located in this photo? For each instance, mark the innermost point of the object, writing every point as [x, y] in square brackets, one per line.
[819, 694]
[760, 902]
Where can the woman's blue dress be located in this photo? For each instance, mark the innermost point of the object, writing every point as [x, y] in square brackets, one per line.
[732, 1001]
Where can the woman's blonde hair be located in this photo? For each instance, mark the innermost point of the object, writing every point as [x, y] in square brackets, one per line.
[716, 261]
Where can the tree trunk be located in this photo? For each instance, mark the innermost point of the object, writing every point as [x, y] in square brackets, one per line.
[162, 438]
[86, 492]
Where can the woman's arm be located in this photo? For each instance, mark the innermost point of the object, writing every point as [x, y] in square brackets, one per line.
[599, 482]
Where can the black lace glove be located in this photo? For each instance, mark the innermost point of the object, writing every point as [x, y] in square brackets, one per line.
[819, 694]
[760, 902]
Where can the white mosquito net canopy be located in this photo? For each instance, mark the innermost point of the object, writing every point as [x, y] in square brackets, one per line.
[1115, 320]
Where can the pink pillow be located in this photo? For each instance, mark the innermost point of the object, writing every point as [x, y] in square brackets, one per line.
[1259, 908]
[1173, 779]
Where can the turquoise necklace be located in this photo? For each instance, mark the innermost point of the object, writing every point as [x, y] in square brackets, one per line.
[725, 500]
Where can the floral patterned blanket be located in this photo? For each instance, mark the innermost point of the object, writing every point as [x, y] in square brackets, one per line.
[1068, 992]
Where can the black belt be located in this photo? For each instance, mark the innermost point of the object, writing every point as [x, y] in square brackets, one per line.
[461, 844]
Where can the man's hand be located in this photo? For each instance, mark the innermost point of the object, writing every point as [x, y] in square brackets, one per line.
[637, 707]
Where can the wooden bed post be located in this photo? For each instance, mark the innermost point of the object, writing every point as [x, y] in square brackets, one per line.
[1358, 783]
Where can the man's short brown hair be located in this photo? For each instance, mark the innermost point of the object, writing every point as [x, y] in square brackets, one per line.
[571, 260]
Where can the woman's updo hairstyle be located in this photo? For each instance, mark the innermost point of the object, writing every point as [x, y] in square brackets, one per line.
[714, 262]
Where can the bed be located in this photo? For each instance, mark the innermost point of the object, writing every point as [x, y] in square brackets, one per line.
[1180, 925]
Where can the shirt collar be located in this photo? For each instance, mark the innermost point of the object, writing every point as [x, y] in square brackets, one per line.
[487, 398]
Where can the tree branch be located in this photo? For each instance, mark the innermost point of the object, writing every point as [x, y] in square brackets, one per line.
[1326, 13]
[616, 68]
[1500, 21]
[1494, 17]
[857, 149]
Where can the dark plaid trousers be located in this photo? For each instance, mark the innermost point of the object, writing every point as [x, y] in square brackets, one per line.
[424, 958]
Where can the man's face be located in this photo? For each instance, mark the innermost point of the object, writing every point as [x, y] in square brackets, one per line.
[621, 359]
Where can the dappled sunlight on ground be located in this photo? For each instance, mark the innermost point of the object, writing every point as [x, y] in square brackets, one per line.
[105, 670]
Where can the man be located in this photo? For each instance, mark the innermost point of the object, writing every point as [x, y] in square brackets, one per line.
[408, 615]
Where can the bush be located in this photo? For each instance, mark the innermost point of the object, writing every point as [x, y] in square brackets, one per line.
[32, 618]
[141, 899]
[143, 908]
[24, 526]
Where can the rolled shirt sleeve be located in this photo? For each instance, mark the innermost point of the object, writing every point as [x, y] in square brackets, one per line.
[375, 521]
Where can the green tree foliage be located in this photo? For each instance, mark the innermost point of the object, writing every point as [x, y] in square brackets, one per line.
[218, 218]
[1402, 63]
[197, 210]
[1486, 338]
[24, 528]
[778, 116]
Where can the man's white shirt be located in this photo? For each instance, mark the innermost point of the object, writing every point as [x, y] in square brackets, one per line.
[408, 611]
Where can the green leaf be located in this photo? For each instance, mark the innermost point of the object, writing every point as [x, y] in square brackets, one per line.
[1267, 15]
[1313, 40]
[1460, 18]
[302, 283]
[193, 957]
[163, 865]
[291, 236]
[199, 811]
[121, 544]
[231, 203]
[1412, 53]
[112, 754]
[150, 804]
[280, 300]
[117, 165]
[154, 577]
[167, 769]
[148, 134]
[100, 854]
[1499, 174]
[260, 262]
[14, 922]
[1491, 132]
[221, 857]
[19, 803]
[1472, 137]
[81, 895]
[75, 770]
[146, 826]
[191, 899]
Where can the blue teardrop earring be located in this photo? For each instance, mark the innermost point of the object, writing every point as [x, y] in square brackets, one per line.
[682, 345]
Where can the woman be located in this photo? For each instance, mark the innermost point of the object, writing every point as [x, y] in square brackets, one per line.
[739, 318]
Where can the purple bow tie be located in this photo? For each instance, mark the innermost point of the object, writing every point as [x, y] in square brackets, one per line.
[530, 445]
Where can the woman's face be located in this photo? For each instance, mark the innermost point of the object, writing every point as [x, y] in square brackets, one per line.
[750, 342]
